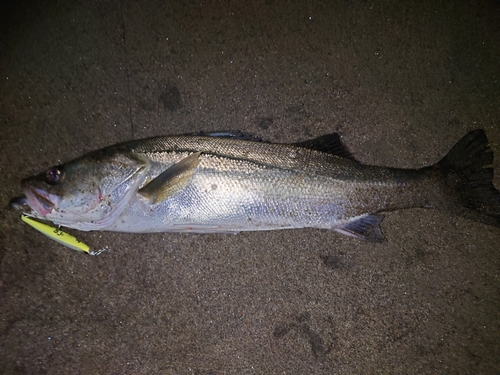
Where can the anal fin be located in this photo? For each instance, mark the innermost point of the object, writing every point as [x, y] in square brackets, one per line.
[365, 227]
[172, 180]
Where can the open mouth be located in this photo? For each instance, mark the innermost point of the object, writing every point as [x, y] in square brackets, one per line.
[20, 204]
[39, 201]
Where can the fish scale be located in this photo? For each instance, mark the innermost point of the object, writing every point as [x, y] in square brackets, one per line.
[207, 184]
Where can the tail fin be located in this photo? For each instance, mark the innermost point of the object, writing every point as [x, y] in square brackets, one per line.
[470, 180]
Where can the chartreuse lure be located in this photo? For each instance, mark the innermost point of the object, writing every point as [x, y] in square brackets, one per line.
[58, 235]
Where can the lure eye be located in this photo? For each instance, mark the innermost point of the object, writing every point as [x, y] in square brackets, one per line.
[54, 175]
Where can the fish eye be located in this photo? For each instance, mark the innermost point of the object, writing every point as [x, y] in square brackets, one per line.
[54, 175]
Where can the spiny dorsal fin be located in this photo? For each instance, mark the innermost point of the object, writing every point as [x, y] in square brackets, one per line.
[329, 143]
[171, 181]
[234, 134]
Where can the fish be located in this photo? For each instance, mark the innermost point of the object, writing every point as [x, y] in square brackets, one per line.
[229, 182]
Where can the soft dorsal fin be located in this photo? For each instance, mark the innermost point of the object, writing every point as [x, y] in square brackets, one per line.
[329, 143]
[172, 180]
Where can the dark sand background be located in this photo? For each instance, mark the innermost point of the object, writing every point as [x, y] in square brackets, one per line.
[400, 83]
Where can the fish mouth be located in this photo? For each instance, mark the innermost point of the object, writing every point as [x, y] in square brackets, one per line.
[20, 204]
[39, 200]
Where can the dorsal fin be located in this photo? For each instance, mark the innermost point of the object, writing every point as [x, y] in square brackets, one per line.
[329, 143]
[234, 134]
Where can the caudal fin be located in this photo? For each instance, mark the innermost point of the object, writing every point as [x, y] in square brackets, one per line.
[470, 179]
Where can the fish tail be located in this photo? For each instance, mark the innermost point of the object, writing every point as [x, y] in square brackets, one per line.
[469, 179]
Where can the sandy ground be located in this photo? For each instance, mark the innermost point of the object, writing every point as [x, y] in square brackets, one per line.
[401, 84]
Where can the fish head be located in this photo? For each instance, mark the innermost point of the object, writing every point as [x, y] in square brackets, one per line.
[87, 193]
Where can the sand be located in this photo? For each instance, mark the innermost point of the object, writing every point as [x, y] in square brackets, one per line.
[401, 83]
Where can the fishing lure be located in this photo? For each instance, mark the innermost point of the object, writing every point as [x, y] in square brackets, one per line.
[58, 235]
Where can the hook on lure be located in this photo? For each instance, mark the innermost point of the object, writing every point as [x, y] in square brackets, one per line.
[59, 236]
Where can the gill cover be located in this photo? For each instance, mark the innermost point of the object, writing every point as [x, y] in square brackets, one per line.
[87, 193]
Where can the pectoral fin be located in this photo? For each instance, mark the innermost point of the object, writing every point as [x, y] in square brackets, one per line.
[171, 181]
